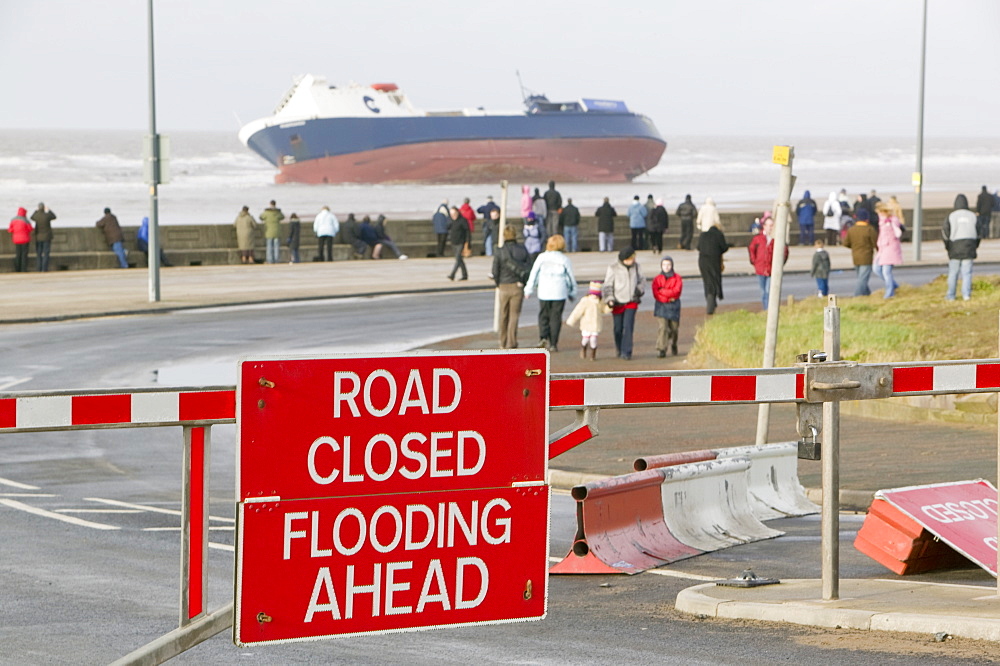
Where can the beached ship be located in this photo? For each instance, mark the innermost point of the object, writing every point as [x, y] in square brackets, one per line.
[372, 134]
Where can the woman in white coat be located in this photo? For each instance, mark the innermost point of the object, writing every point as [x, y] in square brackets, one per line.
[552, 277]
[832, 211]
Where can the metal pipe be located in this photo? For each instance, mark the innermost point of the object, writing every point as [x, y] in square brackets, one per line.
[918, 210]
[830, 524]
[153, 248]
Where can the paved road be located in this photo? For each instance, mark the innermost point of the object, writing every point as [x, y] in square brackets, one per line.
[76, 593]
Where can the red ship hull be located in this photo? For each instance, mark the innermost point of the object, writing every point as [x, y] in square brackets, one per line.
[612, 160]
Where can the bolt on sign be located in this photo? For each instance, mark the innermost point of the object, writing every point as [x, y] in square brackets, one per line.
[390, 493]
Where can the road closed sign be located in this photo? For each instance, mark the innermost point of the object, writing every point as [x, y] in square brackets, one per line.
[390, 493]
[963, 514]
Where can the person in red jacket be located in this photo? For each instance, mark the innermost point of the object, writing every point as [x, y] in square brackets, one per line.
[20, 232]
[667, 287]
[470, 216]
[761, 251]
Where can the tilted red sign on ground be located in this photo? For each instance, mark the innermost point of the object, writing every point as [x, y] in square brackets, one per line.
[962, 514]
[381, 494]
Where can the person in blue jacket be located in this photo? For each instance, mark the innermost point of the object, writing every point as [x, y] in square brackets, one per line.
[806, 212]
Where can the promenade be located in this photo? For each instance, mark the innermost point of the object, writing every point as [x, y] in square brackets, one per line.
[72, 294]
[875, 454]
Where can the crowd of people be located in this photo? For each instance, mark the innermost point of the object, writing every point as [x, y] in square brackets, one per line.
[538, 264]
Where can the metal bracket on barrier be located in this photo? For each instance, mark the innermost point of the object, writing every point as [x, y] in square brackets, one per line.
[834, 381]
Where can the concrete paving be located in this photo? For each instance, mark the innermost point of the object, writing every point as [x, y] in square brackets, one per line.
[895, 605]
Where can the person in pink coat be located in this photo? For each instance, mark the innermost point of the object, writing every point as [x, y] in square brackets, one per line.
[20, 233]
[889, 247]
[526, 201]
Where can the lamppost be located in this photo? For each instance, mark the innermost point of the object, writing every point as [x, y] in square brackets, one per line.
[153, 150]
[918, 175]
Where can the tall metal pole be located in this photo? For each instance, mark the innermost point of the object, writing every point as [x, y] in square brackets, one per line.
[153, 251]
[774, 293]
[918, 177]
[830, 518]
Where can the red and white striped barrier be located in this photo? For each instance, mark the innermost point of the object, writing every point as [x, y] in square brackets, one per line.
[25, 412]
[675, 388]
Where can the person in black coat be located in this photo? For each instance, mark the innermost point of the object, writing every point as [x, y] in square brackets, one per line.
[605, 226]
[459, 237]
[569, 226]
[687, 212]
[656, 223]
[511, 266]
[711, 246]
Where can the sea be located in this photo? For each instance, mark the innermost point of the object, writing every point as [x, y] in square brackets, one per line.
[78, 173]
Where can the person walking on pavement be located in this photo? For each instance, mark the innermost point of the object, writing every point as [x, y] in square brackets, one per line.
[667, 288]
[711, 246]
[534, 235]
[637, 223]
[43, 235]
[553, 204]
[821, 268]
[511, 268]
[961, 239]
[271, 218]
[20, 234]
[623, 288]
[325, 226]
[458, 236]
[687, 212]
[889, 248]
[862, 239]
[440, 221]
[113, 235]
[984, 209]
[246, 230]
[805, 210]
[657, 223]
[569, 222]
[761, 250]
[552, 277]
[588, 315]
[605, 226]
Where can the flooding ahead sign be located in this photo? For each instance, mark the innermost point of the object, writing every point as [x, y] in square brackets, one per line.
[398, 492]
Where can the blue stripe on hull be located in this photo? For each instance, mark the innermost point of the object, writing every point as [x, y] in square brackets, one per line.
[326, 137]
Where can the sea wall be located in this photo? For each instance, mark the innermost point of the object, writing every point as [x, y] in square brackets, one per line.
[83, 248]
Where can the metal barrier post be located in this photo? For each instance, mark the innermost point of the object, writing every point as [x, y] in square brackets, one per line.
[194, 524]
[830, 525]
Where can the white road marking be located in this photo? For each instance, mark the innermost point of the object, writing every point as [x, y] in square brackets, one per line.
[155, 509]
[98, 511]
[161, 529]
[222, 546]
[14, 504]
[8, 381]
[27, 495]
[15, 484]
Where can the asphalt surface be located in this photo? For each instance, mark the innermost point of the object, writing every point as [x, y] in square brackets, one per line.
[874, 454]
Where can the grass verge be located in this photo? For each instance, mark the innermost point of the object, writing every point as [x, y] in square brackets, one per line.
[917, 324]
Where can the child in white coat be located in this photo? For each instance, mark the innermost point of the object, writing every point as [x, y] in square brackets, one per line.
[587, 314]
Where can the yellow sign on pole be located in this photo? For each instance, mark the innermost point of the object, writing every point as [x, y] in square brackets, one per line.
[916, 179]
[781, 155]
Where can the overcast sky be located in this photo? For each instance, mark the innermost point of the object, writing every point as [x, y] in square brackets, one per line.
[697, 67]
